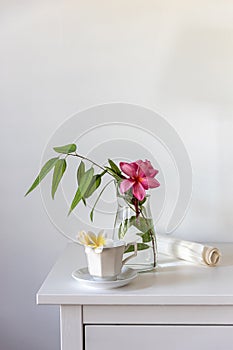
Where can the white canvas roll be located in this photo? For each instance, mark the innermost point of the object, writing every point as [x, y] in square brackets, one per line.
[189, 251]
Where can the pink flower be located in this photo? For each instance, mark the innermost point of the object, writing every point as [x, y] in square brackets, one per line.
[141, 178]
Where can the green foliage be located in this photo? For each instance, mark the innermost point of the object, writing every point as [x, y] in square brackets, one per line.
[142, 202]
[83, 186]
[81, 171]
[144, 225]
[114, 167]
[146, 237]
[113, 173]
[124, 226]
[66, 149]
[100, 194]
[58, 172]
[95, 183]
[88, 183]
[48, 166]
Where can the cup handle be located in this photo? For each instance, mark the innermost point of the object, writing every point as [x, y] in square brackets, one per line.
[134, 254]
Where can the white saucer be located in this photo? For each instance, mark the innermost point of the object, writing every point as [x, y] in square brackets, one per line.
[125, 277]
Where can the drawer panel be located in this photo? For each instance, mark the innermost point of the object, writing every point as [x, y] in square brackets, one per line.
[158, 314]
[158, 337]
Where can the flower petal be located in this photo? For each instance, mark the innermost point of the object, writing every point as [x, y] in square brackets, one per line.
[147, 168]
[139, 191]
[92, 239]
[83, 238]
[101, 232]
[153, 172]
[129, 169]
[100, 240]
[153, 183]
[144, 182]
[141, 172]
[126, 185]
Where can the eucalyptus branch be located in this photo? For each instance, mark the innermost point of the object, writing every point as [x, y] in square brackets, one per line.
[85, 158]
[105, 169]
[103, 189]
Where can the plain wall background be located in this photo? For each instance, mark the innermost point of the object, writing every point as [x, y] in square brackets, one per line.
[59, 57]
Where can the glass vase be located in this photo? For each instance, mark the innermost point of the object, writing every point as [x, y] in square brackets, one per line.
[134, 222]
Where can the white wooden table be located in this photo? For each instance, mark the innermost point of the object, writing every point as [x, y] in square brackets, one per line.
[181, 306]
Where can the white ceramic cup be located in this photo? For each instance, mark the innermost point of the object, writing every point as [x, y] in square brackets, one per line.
[107, 265]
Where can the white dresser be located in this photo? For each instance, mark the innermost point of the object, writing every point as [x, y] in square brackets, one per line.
[179, 307]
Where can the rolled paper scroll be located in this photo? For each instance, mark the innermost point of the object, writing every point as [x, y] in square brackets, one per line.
[189, 251]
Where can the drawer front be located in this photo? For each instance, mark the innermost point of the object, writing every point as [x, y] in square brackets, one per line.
[158, 314]
[158, 337]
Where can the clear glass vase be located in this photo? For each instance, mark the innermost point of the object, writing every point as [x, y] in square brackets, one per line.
[134, 223]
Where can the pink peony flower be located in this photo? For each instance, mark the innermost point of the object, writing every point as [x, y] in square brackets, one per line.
[141, 178]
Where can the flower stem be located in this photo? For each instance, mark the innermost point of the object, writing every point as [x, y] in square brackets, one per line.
[136, 205]
[153, 247]
[89, 160]
[152, 235]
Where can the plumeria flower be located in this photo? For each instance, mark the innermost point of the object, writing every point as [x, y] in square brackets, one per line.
[141, 178]
[93, 241]
[83, 238]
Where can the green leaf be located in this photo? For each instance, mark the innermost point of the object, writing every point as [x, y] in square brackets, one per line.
[95, 183]
[86, 180]
[142, 202]
[92, 211]
[66, 149]
[59, 170]
[123, 228]
[81, 171]
[112, 172]
[48, 166]
[145, 225]
[83, 186]
[141, 246]
[114, 167]
[146, 237]
[103, 172]
[77, 198]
